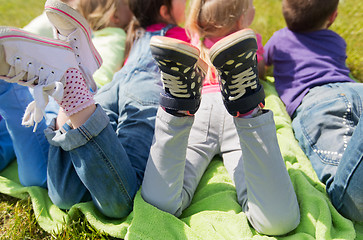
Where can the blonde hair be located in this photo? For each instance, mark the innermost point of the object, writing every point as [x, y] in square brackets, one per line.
[98, 13]
[213, 18]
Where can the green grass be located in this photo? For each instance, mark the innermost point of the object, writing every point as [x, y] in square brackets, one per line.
[18, 13]
[349, 25]
[17, 220]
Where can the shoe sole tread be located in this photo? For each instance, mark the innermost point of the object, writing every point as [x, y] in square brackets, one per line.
[225, 44]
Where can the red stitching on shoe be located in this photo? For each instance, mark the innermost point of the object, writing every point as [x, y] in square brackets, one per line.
[244, 114]
[189, 114]
[34, 39]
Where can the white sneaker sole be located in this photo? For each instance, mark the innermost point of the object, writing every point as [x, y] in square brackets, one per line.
[179, 46]
[66, 12]
[230, 41]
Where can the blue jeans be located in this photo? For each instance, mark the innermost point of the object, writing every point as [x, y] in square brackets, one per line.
[7, 153]
[328, 127]
[105, 159]
[91, 163]
[31, 149]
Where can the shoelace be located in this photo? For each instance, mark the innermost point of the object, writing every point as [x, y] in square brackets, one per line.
[242, 81]
[176, 86]
[43, 84]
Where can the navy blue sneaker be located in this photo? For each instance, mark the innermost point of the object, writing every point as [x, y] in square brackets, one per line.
[182, 74]
[236, 62]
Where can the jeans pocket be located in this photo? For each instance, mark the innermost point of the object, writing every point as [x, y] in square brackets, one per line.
[327, 126]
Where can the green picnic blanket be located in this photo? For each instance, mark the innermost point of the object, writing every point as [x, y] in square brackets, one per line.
[214, 212]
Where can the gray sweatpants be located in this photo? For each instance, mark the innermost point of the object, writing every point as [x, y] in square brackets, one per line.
[184, 146]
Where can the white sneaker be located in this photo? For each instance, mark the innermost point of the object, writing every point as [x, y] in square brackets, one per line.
[36, 62]
[73, 28]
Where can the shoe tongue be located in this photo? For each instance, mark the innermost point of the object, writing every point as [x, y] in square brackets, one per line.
[4, 66]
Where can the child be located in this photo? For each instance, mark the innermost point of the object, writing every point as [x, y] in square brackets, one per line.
[108, 20]
[94, 151]
[325, 104]
[192, 127]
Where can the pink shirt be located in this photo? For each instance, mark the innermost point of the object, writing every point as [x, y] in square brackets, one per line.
[175, 32]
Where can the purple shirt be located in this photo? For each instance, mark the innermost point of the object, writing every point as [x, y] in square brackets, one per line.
[304, 60]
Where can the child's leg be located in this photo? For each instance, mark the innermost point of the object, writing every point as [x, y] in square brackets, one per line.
[30, 60]
[331, 142]
[65, 188]
[173, 170]
[92, 151]
[264, 188]
[7, 153]
[178, 158]
[266, 192]
[346, 191]
[100, 162]
[164, 174]
[6, 143]
[31, 148]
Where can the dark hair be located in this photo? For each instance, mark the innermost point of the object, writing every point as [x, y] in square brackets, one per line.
[307, 15]
[146, 12]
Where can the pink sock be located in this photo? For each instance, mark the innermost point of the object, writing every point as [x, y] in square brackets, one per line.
[77, 95]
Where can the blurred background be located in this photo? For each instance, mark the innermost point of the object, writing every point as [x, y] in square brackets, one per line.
[268, 19]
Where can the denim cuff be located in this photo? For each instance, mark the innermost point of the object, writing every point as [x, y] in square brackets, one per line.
[78, 137]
